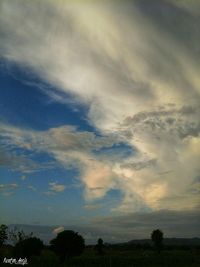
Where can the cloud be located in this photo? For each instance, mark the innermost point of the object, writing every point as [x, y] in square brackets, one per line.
[129, 174]
[8, 186]
[49, 193]
[182, 122]
[127, 227]
[70, 148]
[18, 161]
[58, 230]
[57, 188]
[140, 225]
[8, 189]
[92, 207]
[135, 66]
[192, 6]
[7, 194]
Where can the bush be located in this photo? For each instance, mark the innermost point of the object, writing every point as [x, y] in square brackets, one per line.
[28, 247]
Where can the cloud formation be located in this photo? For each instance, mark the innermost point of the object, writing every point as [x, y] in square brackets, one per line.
[71, 149]
[9, 186]
[128, 227]
[129, 174]
[8, 189]
[140, 225]
[58, 229]
[135, 65]
[57, 188]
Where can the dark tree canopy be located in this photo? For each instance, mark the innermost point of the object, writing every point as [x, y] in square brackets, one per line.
[3, 234]
[157, 238]
[68, 244]
[28, 247]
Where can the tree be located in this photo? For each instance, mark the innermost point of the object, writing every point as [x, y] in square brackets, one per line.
[99, 246]
[157, 238]
[28, 247]
[16, 235]
[3, 234]
[67, 244]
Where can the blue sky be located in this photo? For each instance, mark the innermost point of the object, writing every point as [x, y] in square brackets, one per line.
[99, 115]
[23, 103]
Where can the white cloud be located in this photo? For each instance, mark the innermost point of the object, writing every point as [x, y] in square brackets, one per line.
[70, 148]
[9, 186]
[92, 207]
[57, 188]
[136, 67]
[58, 230]
[145, 182]
[8, 189]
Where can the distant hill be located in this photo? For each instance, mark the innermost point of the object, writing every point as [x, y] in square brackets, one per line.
[46, 234]
[170, 241]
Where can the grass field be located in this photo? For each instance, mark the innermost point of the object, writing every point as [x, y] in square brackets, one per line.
[117, 258]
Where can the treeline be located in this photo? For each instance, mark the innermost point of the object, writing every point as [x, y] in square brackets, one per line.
[148, 246]
[68, 244]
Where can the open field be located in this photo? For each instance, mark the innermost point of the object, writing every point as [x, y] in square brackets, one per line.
[120, 258]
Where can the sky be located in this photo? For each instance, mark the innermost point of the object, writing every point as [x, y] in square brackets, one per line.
[99, 117]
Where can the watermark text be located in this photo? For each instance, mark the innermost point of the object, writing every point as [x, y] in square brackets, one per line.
[19, 261]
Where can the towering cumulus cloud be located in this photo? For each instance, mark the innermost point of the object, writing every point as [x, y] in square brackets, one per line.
[135, 65]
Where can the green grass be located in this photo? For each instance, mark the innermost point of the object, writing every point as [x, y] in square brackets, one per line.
[117, 258]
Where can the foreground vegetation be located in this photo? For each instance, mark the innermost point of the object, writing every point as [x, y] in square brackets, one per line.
[117, 257]
[68, 249]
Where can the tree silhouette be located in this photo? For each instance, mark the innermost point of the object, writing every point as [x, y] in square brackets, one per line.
[99, 246]
[16, 235]
[28, 247]
[67, 244]
[157, 238]
[3, 234]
